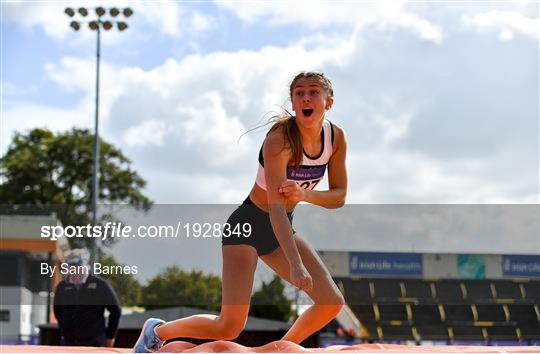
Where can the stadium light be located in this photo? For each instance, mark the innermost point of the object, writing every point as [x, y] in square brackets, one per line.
[107, 25]
[100, 11]
[75, 25]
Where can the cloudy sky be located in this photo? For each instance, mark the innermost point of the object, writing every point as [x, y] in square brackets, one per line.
[439, 100]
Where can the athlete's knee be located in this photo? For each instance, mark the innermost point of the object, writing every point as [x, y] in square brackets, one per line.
[327, 295]
[231, 332]
[337, 305]
[340, 300]
[333, 303]
[332, 310]
[231, 328]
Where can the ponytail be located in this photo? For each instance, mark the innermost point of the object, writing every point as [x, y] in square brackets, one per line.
[292, 139]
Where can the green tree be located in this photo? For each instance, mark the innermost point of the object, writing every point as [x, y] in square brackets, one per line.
[175, 287]
[270, 301]
[127, 288]
[44, 172]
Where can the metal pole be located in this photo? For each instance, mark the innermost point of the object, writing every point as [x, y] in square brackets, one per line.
[49, 288]
[93, 254]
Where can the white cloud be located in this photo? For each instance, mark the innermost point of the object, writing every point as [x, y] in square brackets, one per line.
[9, 89]
[391, 176]
[311, 13]
[317, 15]
[506, 23]
[25, 116]
[49, 15]
[150, 132]
[201, 22]
[388, 115]
[78, 75]
[73, 74]
[506, 35]
[423, 28]
[205, 122]
[438, 228]
[166, 16]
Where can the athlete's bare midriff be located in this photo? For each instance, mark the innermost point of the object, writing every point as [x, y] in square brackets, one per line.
[259, 197]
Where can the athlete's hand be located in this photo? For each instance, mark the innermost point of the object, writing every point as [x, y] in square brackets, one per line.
[300, 277]
[292, 191]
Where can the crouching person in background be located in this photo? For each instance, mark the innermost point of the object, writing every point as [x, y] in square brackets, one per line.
[80, 301]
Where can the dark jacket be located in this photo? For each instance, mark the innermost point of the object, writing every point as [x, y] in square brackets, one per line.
[80, 310]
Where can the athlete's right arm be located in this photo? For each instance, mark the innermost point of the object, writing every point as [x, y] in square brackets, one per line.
[276, 159]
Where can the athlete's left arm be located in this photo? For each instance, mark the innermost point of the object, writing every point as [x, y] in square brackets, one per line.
[337, 176]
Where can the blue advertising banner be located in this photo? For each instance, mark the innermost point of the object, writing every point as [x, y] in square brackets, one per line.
[389, 264]
[521, 266]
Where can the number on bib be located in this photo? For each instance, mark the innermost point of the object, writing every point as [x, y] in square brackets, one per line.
[309, 184]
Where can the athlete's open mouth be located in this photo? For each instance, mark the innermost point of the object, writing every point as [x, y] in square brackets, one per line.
[307, 111]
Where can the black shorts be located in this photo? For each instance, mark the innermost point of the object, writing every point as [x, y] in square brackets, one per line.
[262, 236]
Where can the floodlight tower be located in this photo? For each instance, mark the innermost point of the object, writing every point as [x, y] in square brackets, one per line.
[100, 21]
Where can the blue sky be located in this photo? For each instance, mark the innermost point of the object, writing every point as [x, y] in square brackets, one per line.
[439, 99]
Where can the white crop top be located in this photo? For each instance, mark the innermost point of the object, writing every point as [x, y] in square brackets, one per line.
[312, 169]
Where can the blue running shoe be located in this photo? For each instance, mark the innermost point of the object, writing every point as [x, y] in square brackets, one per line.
[149, 341]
